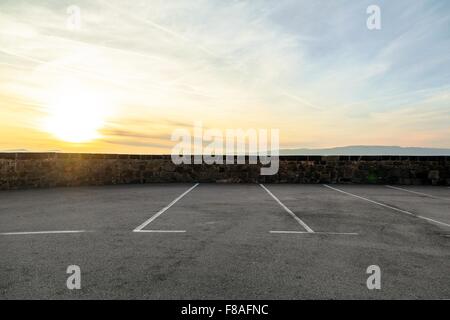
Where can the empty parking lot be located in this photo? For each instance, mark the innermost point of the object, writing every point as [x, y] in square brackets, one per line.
[226, 241]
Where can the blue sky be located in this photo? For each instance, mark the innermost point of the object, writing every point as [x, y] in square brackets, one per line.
[310, 68]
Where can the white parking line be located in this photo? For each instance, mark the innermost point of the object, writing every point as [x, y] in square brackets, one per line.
[162, 231]
[387, 206]
[305, 232]
[160, 212]
[40, 232]
[435, 221]
[415, 192]
[304, 225]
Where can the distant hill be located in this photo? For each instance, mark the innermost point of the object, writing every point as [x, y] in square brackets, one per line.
[26, 150]
[15, 150]
[369, 151]
[346, 151]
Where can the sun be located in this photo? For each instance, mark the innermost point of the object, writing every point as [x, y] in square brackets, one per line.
[75, 114]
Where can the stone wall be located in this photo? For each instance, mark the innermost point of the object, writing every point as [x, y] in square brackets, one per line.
[41, 170]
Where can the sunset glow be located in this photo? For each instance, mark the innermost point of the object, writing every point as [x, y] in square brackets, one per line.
[74, 114]
[121, 77]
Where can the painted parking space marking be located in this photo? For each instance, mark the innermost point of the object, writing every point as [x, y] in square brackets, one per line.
[415, 192]
[41, 232]
[160, 212]
[293, 215]
[162, 231]
[305, 232]
[388, 206]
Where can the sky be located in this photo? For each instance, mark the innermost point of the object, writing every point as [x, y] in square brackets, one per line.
[131, 72]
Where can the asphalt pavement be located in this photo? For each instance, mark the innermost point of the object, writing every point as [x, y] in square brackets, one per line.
[226, 241]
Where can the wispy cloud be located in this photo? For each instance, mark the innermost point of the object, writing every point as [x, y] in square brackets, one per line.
[310, 68]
